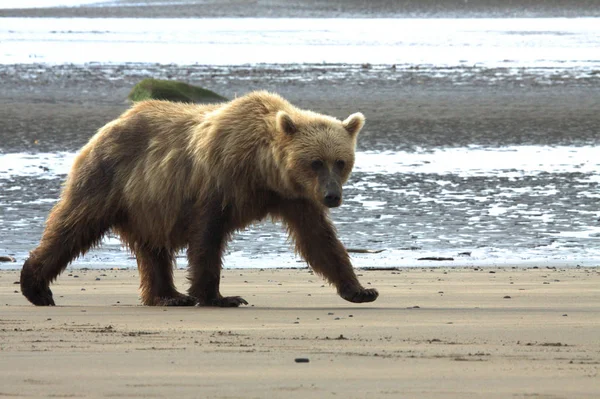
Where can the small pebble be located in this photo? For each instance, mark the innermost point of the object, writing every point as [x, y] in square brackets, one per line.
[507, 297]
[301, 360]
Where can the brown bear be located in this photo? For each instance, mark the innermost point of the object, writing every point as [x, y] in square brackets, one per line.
[165, 176]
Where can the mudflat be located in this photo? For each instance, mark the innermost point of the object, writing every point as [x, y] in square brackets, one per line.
[433, 333]
[320, 9]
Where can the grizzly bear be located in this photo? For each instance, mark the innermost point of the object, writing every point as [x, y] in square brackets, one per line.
[165, 176]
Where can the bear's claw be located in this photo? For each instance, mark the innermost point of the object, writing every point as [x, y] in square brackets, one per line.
[360, 296]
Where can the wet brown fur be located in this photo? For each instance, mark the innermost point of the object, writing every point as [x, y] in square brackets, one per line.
[166, 176]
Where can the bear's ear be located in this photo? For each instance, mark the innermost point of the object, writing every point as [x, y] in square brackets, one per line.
[354, 123]
[285, 123]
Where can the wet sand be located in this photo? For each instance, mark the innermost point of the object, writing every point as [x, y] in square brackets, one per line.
[62, 106]
[433, 333]
[322, 9]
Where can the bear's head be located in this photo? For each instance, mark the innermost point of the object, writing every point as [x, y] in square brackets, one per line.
[319, 152]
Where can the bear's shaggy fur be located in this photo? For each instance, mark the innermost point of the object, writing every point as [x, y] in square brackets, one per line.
[166, 176]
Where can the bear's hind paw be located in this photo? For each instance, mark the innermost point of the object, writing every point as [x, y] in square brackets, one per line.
[179, 300]
[39, 295]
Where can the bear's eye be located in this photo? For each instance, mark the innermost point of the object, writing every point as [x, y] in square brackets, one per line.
[340, 164]
[316, 165]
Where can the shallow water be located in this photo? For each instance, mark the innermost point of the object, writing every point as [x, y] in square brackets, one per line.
[8, 4]
[501, 42]
[478, 205]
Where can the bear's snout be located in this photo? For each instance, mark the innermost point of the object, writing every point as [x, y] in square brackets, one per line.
[332, 199]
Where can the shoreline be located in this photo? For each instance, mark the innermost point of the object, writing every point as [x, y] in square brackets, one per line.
[461, 265]
[439, 333]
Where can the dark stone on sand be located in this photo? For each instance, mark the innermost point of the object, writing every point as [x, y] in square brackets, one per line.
[171, 90]
[364, 251]
[7, 259]
[301, 360]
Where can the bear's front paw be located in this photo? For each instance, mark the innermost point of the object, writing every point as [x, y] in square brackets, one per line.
[360, 295]
[224, 302]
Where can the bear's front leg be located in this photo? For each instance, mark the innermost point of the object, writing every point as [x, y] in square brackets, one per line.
[209, 233]
[156, 274]
[316, 240]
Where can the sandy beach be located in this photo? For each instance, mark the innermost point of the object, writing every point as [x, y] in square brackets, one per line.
[433, 333]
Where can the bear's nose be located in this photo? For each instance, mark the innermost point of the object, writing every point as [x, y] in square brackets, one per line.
[332, 200]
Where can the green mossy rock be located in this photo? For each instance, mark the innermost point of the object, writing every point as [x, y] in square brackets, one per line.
[156, 89]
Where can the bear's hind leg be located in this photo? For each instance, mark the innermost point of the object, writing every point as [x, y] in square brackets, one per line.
[208, 239]
[156, 274]
[69, 232]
